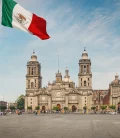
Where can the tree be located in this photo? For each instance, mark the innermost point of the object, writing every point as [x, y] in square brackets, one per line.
[20, 102]
[3, 108]
[103, 107]
[29, 107]
[112, 107]
[56, 108]
[65, 108]
[12, 108]
[93, 108]
[37, 107]
[84, 107]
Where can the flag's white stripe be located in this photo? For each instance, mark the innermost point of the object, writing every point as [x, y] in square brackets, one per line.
[24, 25]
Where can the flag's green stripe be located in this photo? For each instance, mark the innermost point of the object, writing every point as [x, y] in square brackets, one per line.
[7, 11]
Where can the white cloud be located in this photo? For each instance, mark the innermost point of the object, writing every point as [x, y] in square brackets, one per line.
[70, 31]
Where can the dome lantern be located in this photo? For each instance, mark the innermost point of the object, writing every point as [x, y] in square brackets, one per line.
[33, 57]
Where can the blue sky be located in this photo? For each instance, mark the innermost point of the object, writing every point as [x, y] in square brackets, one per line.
[72, 25]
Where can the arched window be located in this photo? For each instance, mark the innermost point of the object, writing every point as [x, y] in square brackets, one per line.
[32, 85]
[85, 70]
[32, 71]
[35, 83]
[28, 83]
[84, 83]
[29, 71]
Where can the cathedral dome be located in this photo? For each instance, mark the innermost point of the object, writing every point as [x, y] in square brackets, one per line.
[84, 54]
[66, 79]
[33, 57]
[70, 80]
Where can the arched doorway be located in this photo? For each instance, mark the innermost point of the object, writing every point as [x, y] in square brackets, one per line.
[74, 108]
[43, 108]
[59, 107]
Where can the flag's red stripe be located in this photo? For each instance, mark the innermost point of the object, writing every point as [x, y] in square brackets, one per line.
[38, 27]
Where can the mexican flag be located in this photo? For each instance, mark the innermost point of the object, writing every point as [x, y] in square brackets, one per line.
[13, 15]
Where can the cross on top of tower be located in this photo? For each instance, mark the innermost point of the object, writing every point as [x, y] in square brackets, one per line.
[84, 49]
[33, 51]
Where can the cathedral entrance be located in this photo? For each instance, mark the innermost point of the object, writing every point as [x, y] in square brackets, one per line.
[59, 107]
[43, 108]
[74, 108]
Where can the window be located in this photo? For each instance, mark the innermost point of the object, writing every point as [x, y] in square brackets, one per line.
[88, 84]
[28, 83]
[29, 71]
[84, 83]
[85, 101]
[85, 97]
[81, 79]
[31, 102]
[85, 69]
[29, 86]
[35, 70]
[35, 83]
[81, 84]
[32, 85]
[32, 71]
[88, 79]
[31, 99]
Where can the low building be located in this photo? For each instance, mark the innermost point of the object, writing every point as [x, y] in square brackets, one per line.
[11, 104]
[3, 103]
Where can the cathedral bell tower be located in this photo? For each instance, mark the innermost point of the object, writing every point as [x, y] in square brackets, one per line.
[85, 74]
[58, 77]
[33, 76]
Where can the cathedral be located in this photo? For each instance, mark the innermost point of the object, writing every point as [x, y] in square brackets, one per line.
[62, 92]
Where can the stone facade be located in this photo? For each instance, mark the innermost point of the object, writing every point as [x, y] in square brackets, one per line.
[62, 92]
[115, 92]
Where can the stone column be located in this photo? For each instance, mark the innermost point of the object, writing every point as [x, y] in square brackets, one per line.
[81, 68]
[27, 70]
[89, 69]
[79, 102]
[26, 83]
[35, 102]
[66, 100]
[49, 103]
[111, 99]
[26, 103]
[37, 71]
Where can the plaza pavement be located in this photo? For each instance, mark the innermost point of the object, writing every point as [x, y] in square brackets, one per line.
[59, 126]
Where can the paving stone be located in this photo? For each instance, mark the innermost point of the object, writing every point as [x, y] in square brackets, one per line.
[60, 126]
